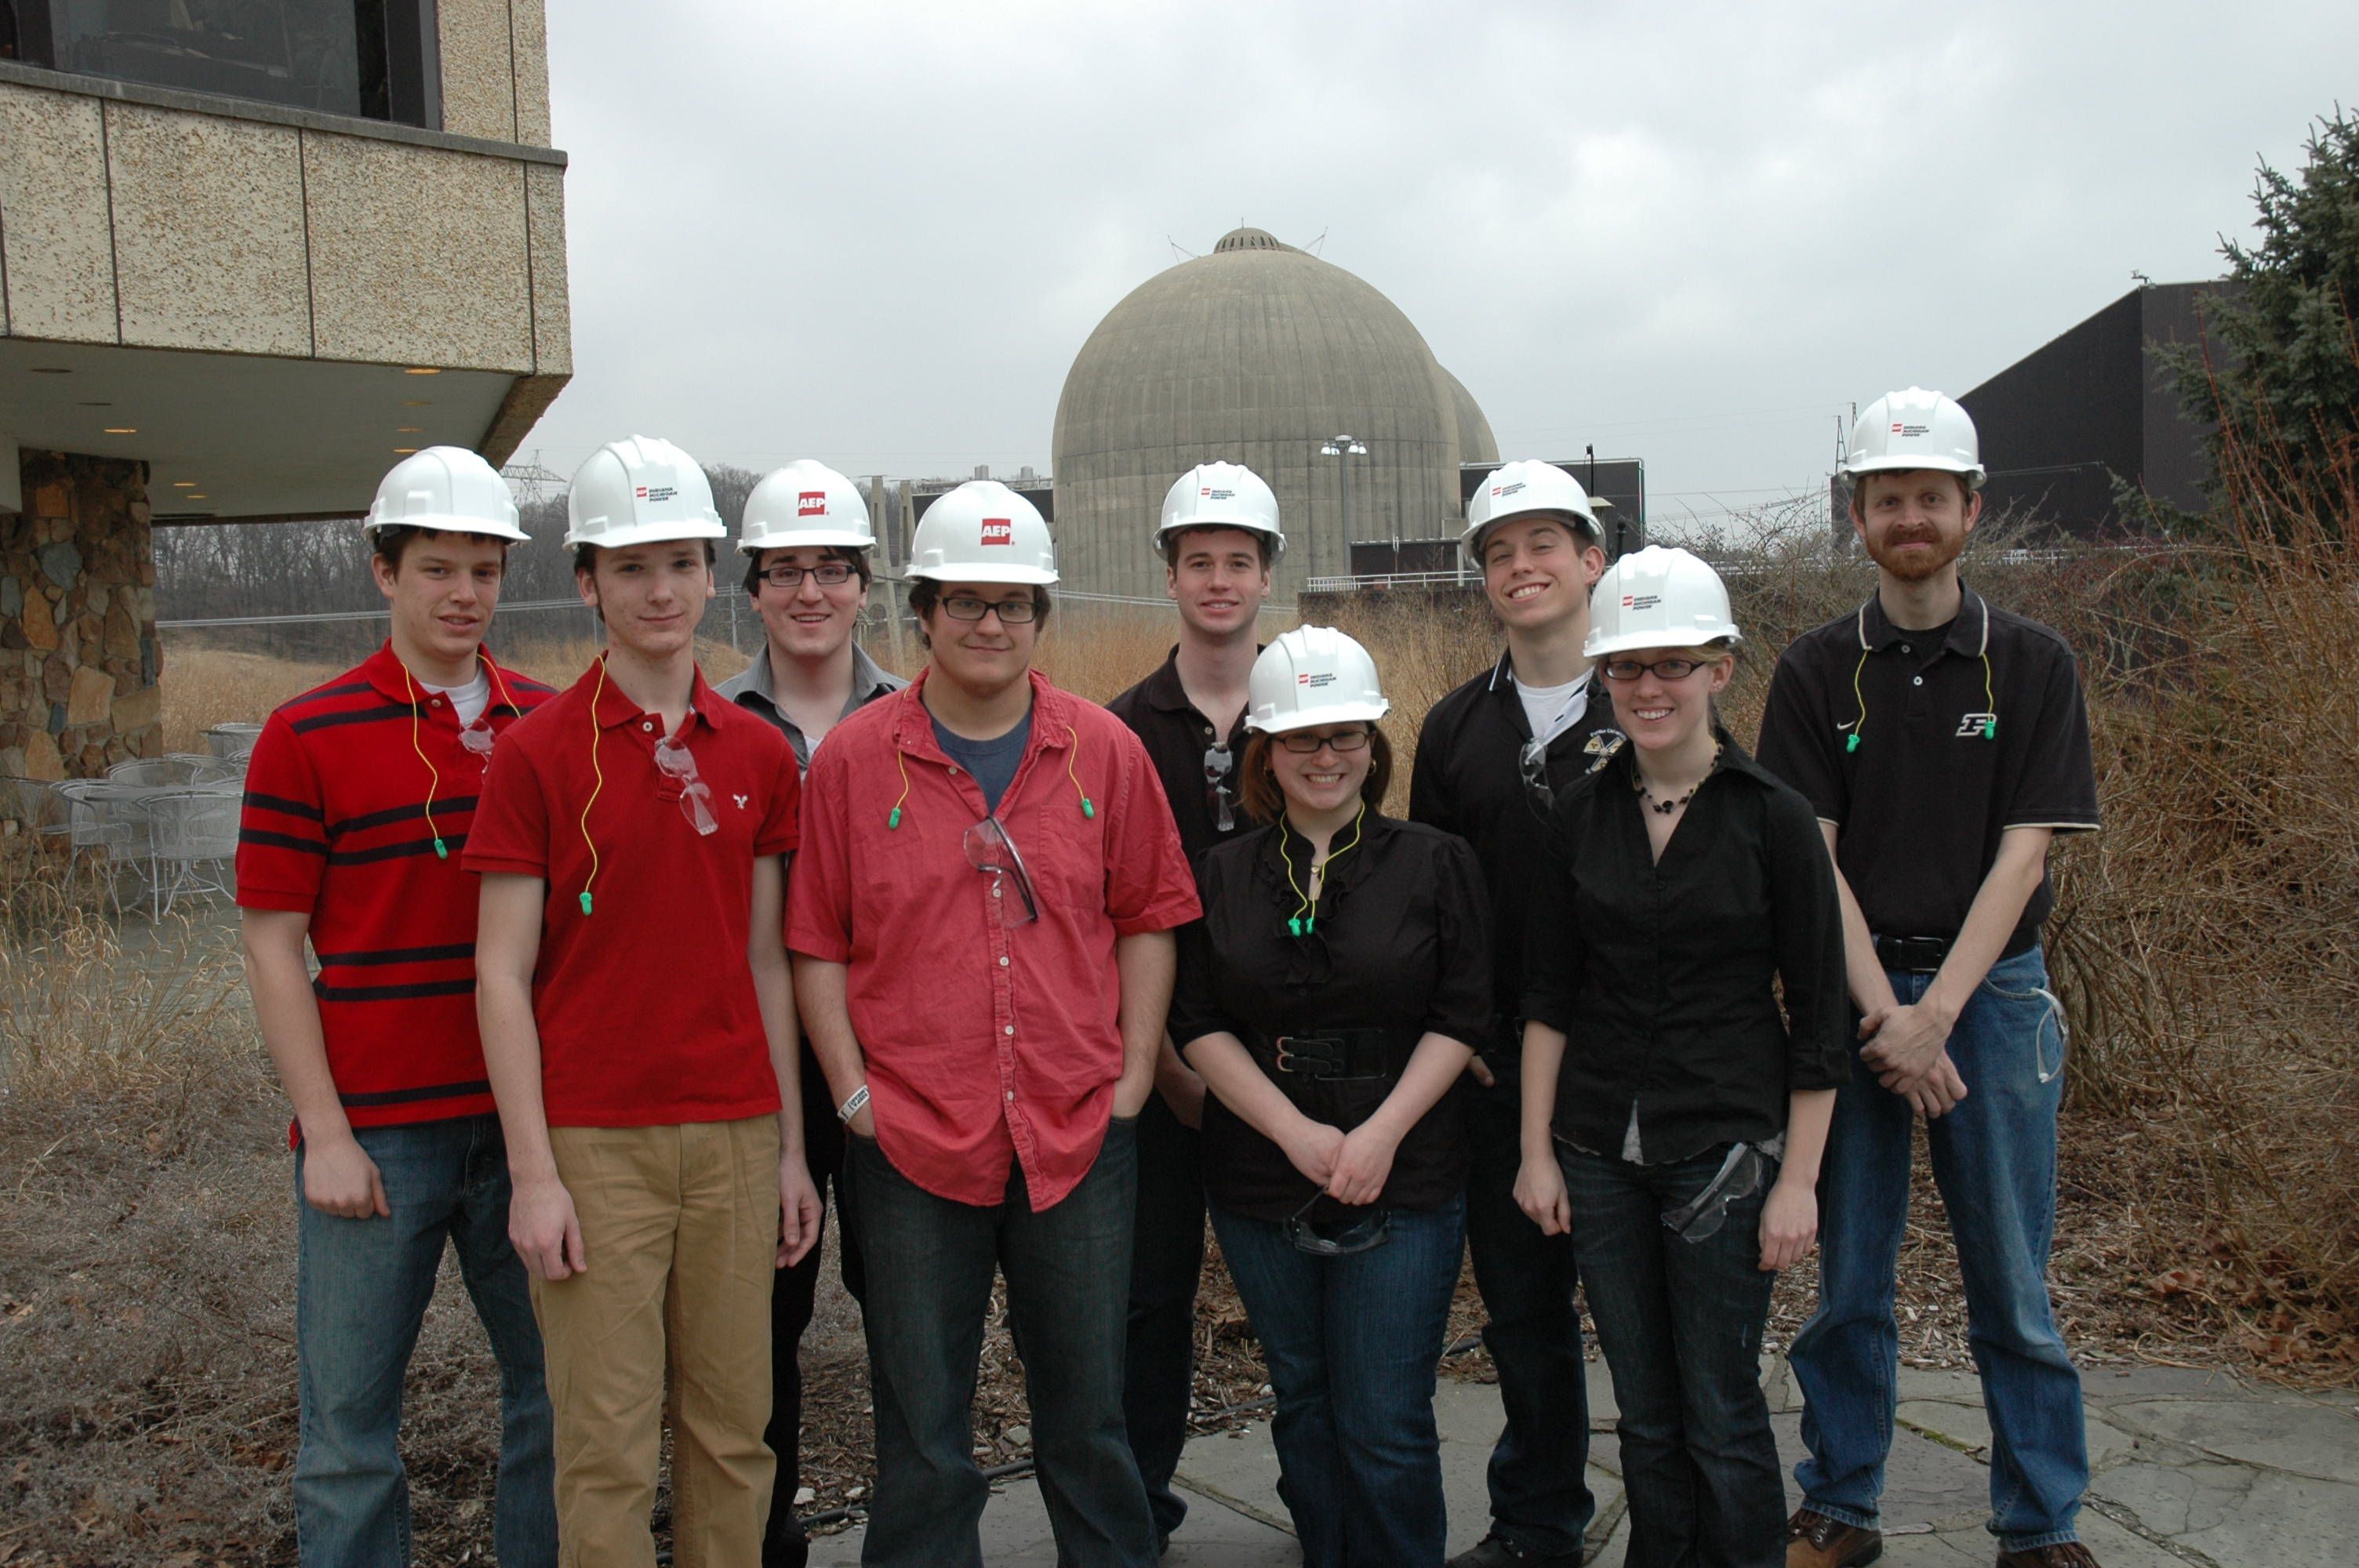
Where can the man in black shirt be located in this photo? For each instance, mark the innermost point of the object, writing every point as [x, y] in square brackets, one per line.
[1489, 759]
[1219, 537]
[1942, 743]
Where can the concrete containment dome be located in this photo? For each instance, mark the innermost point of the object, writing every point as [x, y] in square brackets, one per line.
[1257, 353]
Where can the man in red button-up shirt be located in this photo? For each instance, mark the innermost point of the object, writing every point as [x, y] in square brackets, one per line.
[980, 914]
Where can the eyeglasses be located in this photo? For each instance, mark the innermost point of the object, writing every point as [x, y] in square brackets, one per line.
[1740, 1176]
[1338, 1238]
[989, 849]
[477, 738]
[1011, 612]
[1218, 795]
[827, 573]
[1305, 745]
[1532, 764]
[673, 760]
[1665, 669]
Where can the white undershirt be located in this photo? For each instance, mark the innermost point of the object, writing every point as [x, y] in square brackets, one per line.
[1550, 710]
[467, 701]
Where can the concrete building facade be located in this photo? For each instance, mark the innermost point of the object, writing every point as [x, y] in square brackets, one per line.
[1259, 354]
[238, 278]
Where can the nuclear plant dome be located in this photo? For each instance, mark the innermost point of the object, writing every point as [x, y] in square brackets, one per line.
[1258, 353]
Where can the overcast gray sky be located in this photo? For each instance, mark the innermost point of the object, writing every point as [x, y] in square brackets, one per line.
[877, 233]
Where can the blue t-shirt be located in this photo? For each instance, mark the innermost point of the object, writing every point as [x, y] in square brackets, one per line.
[992, 762]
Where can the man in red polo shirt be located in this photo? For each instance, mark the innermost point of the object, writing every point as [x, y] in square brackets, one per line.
[639, 1028]
[358, 792]
[986, 993]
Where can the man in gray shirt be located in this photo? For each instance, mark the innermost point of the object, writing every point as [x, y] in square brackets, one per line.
[806, 538]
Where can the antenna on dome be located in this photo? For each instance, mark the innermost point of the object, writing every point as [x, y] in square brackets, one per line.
[1182, 252]
[1314, 247]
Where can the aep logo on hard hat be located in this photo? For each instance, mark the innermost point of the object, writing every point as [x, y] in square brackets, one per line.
[1641, 600]
[643, 493]
[998, 531]
[811, 503]
[1910, 430]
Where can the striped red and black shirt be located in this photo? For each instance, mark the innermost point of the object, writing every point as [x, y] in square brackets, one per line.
[350, 787]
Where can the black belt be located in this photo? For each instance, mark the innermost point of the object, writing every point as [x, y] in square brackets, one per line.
[1923, 955]
[1331, 1053]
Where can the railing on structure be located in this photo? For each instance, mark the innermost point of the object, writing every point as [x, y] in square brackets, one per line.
[1390, 579]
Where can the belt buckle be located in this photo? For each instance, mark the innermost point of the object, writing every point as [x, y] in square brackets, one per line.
[1315, 1063]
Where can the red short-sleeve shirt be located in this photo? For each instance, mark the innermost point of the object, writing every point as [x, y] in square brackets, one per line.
[987, 1039]
[350, 785]
[645, 1004]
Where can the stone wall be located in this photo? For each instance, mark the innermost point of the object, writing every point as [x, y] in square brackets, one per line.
[80, 666]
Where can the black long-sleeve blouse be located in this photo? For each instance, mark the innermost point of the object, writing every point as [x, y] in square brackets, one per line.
[1401, 942]
[1660, 973]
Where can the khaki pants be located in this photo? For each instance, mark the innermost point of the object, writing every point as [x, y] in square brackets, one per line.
[681, 1226]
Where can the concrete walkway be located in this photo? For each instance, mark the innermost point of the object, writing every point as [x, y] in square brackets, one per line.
[2191, 1467]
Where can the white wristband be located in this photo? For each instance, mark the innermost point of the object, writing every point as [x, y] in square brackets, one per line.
[854, 1106]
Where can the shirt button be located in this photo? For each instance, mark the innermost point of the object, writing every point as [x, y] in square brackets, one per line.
[647, 724]
[1011, 1095]
[1003, 961]
[954, 769]
[436, 703]
[1011, 1029]
[1907, 649]
[1917, 680]
[994, 890]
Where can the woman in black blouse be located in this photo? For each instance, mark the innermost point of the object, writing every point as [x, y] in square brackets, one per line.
[1327, 997]
[1673, 1115]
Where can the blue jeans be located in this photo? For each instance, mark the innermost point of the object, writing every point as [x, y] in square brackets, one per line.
[1167, 1261]
[930, 1263]
[1681, 1322]
[1352, 1343]
[1539, 1488]
[361, 1286]
[1995, 1161]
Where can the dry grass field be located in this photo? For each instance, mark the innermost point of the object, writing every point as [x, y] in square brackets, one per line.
[2205, 943]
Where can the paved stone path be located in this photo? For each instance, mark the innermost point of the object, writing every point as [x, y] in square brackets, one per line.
[2190, 1468]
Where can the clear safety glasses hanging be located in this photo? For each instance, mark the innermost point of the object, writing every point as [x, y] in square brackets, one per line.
[477, 738]
[695, 794]
[989, 849]
[1532, 763]
[1220, 795]
[1338, 1238]
[1744, 1172]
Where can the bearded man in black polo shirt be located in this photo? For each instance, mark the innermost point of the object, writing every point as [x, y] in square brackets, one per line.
[1943, 743]
[1219, 538]
[1489, 759]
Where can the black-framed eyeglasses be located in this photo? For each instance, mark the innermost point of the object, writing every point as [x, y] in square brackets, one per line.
[1220, 796]
[1531, 762]
[1740, 1176]
[827, 573]
[989, 849]
[1665, 669]
[1340, 1238]
[1011, 612]
[1303, 744]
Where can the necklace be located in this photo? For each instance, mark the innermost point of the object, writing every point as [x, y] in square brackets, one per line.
[1665, 808]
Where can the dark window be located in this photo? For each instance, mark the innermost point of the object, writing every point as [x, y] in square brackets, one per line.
[374, 59]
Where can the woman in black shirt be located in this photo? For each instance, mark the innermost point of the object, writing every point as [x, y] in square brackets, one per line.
[1673, 1116]
[1327, 997]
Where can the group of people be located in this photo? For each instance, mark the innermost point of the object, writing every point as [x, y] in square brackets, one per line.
[615, 985]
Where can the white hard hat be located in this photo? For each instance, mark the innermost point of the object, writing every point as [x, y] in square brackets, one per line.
[1916, 429]
[1220, 495]
[1313, 675]
[449, 490]
[640, 492]
[1519, 490]
[983, 532]
[1658, 598]
[804, 502]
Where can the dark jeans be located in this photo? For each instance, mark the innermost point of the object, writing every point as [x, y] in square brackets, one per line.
[1681, 1322]
[1352, 1343]
[793, 1298]
[361, 1290]
[930, 1265]
[1166, 1262]
[1539, 1488]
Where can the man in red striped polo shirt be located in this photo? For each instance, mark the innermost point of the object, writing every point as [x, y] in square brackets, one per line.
[639, 1028]
[982, 921]
[360, 795]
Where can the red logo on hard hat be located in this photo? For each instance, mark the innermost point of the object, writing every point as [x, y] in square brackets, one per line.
[811, 504]
[643, 493]
[1302, 679]
[1625, 602]
[1896, 426]
[998, 531]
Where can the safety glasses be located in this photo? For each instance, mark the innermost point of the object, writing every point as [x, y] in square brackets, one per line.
[1338, 1238]
[477, 738]
[1740, 1176]
[695, 795]
[989, 849]
[1303, 744]
[1220, 796]
[1531, 762]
